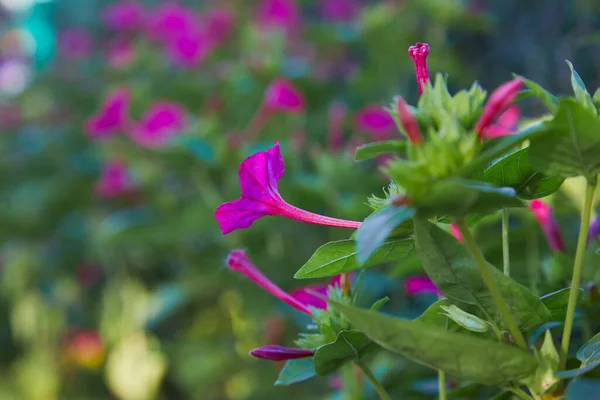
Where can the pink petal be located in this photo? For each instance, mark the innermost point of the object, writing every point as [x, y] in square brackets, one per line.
[114, 180]
[159, 124]
[505, 125]
[282, 96]
[420, 285]
[278, 14]
[375, 121]
[111, 117]
[305, 296]
[241, 214]
[171, 20]
[220, 23]
[550, 227]
[189, 49]
[499, 100]
[260, 173]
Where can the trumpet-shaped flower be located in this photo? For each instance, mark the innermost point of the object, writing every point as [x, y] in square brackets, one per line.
[498, 102]
[259, 175]
[159, 124]
[112, 116]
[418, 53]
[275, 352]
[375, 121]
[307, 295]
[415, 285]
[543, 214]
[505, 125]
[125, 15]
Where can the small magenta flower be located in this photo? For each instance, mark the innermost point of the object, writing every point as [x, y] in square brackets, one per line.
[124, 15]
[238, 261]
[418, 53]
[219, 24]
[408, 121]
[499, 100]
[594, 230]
[259, 175]
[278, 15]
[543, 213]
[189, 49]
[282, 96]
[505, 125]
[112, 116]
[114, 181]
[339, 10]
[275, 352]
[159, 124]
[375, 121]
[335, 126]
[170, 20]
[75, 44]
[120, 53]
[415, 285]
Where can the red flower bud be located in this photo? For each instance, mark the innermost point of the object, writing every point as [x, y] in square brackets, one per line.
[498, 102]
[280, 353]
[419, 53]
[408, 121]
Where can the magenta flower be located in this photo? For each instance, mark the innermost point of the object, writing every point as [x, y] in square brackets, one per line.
[238, 261]
[275, 352]
[339, 10]
[120, 53]
[456, 232]
[112, 116]
[505, 125]
[282, 96]
[335, 126]
[408, 121]
[124, 15]
[159, 124]
[543, 213]
[259, 175]
[75, 44]
[171, 20]
[375, 121]
[594, 230]
[278, 14]
[114, 181]
[219, 24]
[415, 285]
[189, 49]
[499, 100]
[418, 53]
[307, 295]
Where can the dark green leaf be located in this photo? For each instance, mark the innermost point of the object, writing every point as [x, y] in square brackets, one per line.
[463, 356]
[372, 150]
[557, 303]
[545, 97]
[581, 93]
[459, 197]
[349, 345]
[336, 257]
[515, 171]
[295, 371]
[373, 232]
[453, 271]
[379, 303]
[570, 143]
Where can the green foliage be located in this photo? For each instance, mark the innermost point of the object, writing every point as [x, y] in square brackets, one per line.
[295, 371]
[557, 303]
[372, 150]
[348, 346]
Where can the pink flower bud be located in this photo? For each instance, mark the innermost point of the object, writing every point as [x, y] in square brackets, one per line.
[456, 232]
[408, 121]
[543, 213]
[497, 103]
[418, 53]
[279, 353]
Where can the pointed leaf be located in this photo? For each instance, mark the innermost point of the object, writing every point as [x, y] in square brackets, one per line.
[545, 97]
[349, 345]
[372, 150]
[337, 257]
[570, 143]
[463, 356]
[581, 93]
[373, 232]
[557, 303]
[452, 270]
[590, 351]
[468, 321]
[295, 371]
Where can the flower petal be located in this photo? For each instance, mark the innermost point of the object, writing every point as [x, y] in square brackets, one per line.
[240, 214]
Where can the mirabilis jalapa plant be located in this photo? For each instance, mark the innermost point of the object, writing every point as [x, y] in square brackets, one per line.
[456, 166]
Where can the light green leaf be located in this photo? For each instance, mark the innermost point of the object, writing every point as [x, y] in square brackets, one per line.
[581, 93]
[337, 257]
[349, 345]
[468, 321]
[372, 150]
[545, 97]
[295, 371]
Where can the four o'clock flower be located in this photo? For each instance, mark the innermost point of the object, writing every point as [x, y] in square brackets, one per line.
[594, 230]
[278, 14]
[418, 53]
[375, 121]
[125, 15]
[259, 175]
[505, 125]
[112, 116]
[189, 49]
[170, 20]
[159, 124]
[275, 352]
[306, 294]
[499, 100]
[114, 180]
[543, 214]
[408, 121]
[415, 285]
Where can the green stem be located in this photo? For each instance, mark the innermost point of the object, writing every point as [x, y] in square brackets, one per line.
[486, 275]
[505, 248]
[351, 389]
[577, 267]
[520, 394]
[442, 384]
[376, 384]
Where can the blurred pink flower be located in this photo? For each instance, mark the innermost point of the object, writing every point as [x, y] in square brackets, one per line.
[543, 213]
[506, 124]
[498, 102]
[282, 96]
[420, 285]
[259, 175]
[335, 126]
[74, 44]
[275, 352]
[339, 10]
[278, 14]
[189, 49]
[159, 124]
[120, 53]
[219, 23]
[305, 294]
[112, 116]
[375, 121]
[170, 20]
[114, 181]
[124, 15]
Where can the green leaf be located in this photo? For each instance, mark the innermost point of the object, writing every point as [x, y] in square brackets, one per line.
[545, 97]
[590, 351]
[459, 197]
[570, 143]
[372, 150]
[452, 270]
[515, 171]
[548, 351]
[349, 345]
[557, 303]
[379, 303]
[333, 258]
[468, 321]
[463, 356]
[581, 93]
[373, 232]
[295, 371]
[596, 98]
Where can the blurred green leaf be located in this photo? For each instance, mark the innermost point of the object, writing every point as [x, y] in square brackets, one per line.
[557, 303]
[545, 97]
[349, 345]
[581, 93]
[372, 150]
[295, 371]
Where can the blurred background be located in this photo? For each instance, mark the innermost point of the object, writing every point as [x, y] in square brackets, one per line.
[122, 125]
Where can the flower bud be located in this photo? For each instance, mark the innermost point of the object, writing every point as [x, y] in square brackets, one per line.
[408, 121]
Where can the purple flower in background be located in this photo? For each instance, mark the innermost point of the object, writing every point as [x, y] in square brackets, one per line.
[112, 116]
[114, 180]
[498, 102]
[278, 14]
[75, 44]
[420, 285]
[339, 10]
[543, 214]
[159, 124]
[506, 124]
[120, 53]
[375, 121]
[171, 20]
[219, 24]
[282, 96]
[594, 230]
[124, 15]
[275, 352]
[189, 49]
[259, 175]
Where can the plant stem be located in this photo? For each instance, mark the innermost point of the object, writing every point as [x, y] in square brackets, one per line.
[520, 394]
[491, 284]
[351, 389]
[577, 267]
[505, 248]
[376, 384]
[442, 384]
